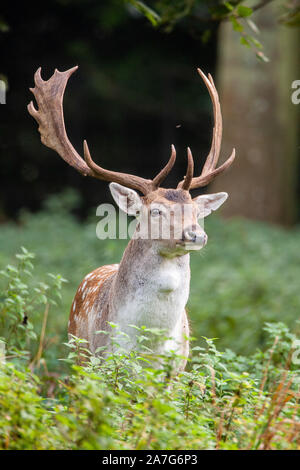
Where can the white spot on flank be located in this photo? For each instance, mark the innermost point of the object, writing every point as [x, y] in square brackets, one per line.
[74, 305]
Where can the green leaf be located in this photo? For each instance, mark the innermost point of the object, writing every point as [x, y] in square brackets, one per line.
[150, 14]
[11, 268]
[255, 42]
[261, 56]
[237, 26]
[245, 42]
[244, 11]
[228, 6]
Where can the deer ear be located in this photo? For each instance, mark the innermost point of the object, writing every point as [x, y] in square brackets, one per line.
[128, 200]
[210, 202]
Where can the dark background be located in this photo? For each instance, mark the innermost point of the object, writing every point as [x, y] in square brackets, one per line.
[135, 93]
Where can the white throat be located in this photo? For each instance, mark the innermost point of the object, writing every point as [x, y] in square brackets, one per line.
[150, 290]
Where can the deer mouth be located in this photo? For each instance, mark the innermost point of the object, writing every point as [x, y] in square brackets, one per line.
[189, 246]
[193, 246]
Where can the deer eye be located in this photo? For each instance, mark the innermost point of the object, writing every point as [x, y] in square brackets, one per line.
[155, 212]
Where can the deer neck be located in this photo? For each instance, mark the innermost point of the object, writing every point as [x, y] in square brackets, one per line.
[149, 289]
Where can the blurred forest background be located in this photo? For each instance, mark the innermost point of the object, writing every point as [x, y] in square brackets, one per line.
[135, 93]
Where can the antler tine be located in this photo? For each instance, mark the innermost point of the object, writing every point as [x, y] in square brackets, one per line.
[130, 181]
[189, 172]
[209, 171]
[49, 115]
[213, 156]
[166, 170]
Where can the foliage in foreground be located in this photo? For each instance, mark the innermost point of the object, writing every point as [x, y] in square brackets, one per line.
[222, 401]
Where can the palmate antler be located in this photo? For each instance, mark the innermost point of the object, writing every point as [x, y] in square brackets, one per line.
[209, 171]
[49, 115]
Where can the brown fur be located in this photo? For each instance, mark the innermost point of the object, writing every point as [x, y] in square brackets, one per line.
[168, 196]
[88, 295]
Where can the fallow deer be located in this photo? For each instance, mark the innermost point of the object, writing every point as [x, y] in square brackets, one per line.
[150, 286]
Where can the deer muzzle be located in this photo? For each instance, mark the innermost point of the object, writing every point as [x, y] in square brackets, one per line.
[194, 236]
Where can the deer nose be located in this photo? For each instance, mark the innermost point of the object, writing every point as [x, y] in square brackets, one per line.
[195, 236]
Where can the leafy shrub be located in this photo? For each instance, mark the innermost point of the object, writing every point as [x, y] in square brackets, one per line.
[223, 401]
[25, 421]
[22, 298]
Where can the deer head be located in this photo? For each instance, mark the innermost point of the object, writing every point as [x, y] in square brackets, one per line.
[166, 211]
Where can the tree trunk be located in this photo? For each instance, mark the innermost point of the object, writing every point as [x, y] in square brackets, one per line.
[260, 121]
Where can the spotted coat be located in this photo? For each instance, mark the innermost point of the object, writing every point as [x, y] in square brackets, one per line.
[88, 296]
